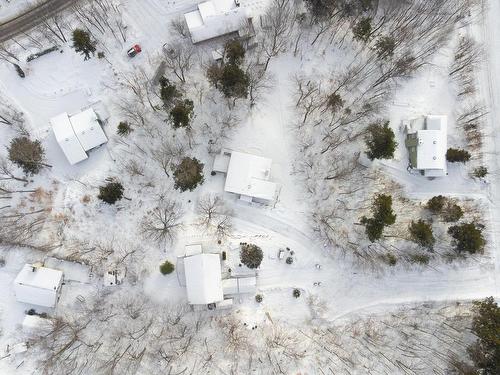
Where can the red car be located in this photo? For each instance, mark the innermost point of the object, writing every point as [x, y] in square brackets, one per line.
[134, 50]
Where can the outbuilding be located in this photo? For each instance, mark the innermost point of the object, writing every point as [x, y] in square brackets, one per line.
[38, 285]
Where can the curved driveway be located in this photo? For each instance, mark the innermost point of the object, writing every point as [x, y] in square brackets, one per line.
[32, 18]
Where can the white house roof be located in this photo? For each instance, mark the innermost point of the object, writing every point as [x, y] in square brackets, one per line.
[66, 137]
[203, 279]
[432, 145]
[87, 129]
[215, 18]
[248, 175]
[77, 134]
[38, 285]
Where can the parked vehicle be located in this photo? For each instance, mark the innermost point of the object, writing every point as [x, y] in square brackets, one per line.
[132, 52]
[19, 71]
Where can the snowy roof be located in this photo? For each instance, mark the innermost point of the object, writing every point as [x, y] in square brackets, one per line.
[432, 144]
[238, 285]
[66, 137]
[87, 129]
[203, 279]
[215, 18]
[77, 134]
[248, 174]
[38, 285]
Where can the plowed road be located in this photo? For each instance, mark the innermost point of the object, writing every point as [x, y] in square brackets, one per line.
[32, 18]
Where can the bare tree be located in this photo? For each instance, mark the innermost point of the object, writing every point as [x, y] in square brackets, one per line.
[209, 207]
[179, 26]
[168, 154]
[179, 58]
[161, 223]
[214, 216]
[280, 20]
[259, 81]
[12, 117]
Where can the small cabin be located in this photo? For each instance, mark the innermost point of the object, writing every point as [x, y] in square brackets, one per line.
[38, 285]
[426, 142]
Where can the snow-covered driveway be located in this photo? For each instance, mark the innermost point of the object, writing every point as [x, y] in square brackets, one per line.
[491, 91]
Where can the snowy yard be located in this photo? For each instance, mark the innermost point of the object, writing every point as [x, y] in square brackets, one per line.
[332, 298]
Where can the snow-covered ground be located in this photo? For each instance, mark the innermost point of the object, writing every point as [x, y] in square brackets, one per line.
[63, 82]
[12, 8]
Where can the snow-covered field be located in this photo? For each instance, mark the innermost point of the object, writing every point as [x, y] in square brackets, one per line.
[354, 314]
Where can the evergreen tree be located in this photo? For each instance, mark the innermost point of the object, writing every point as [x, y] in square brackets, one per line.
[234, 51]
[385, 47]
[452, 212]
[27, 154]
[382, 209]
[380, 141]
[234, 82]
[467, 237]
[168, 93]
[421, 233]
[166, 268]
[454, 155]
[485, 352]
[188, 174]
[182, 113]
[334, 102]
[251, 255]
[436, 204]
[480, 172]
[111, 192]
[321, 9]
[82, 42]
[124, 129]
[446, 208]
[383, 215]
[373, 228]
[362, 30]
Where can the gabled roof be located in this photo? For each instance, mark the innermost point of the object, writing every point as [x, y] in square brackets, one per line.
[87, 129]
[215, 18]
[41, 277]
[67, 139]
[203, 279]
[432, 144]
[77, 134]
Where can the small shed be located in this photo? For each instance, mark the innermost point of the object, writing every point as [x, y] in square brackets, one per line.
[203, 279]
[38, 285]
